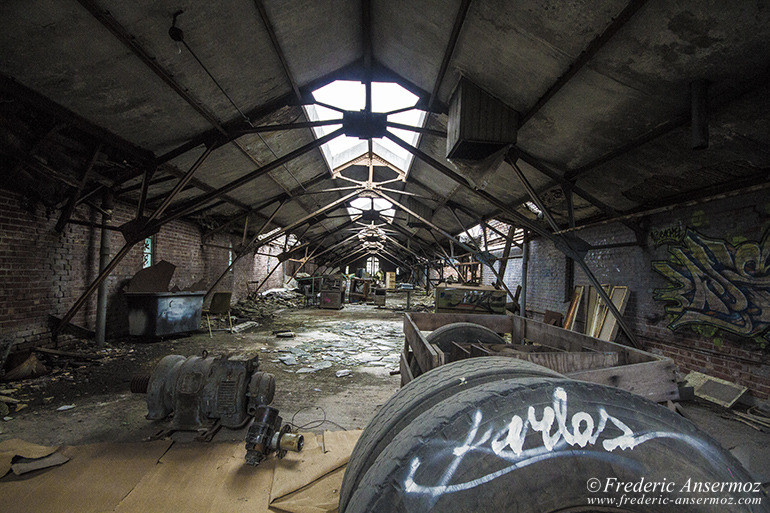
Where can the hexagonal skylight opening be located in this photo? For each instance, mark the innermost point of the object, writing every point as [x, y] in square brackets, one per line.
[351, 95]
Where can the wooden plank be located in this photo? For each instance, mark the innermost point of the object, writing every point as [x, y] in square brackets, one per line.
[600, 314]
[590, 310]
[406, 372]
[68, 354]
[653, 380]
[426, 354]
[458, 352]
[619, 297]
[577, 298]
[426, 321]
[480, 350]
[571, 361]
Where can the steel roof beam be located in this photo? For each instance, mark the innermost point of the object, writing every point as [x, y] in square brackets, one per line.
[277, 48]
[449, 51]
[586, 55]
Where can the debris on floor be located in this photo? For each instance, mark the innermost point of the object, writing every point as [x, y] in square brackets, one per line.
[264, 305]
[418, 301]
[245, 326]
[346, 344]
[288, 359]
[29, 368]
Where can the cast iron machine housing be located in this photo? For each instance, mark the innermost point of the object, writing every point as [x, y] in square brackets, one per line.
[201, 391]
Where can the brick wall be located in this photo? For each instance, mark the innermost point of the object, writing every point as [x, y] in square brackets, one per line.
[726, 224]
[248, 271]
[512, 270]
[42, 272]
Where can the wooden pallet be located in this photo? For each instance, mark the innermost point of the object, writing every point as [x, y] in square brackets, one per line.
[573, 354]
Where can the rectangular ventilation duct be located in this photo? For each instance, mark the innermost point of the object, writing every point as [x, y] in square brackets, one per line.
[479, 124]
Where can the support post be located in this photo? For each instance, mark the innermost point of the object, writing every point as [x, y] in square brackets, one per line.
[524, 268]
[149, 172]
[104, 258]
[506, 253]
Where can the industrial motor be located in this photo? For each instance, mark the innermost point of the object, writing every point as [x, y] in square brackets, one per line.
[266, 436]
[198, 390]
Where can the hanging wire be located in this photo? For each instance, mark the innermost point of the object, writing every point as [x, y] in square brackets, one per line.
[177, 35]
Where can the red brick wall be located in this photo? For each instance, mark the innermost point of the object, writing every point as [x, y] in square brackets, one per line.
[719, 353]
[42, 272]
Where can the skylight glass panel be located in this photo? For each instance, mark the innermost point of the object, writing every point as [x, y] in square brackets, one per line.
[388, 96]
[351, 96]
[343, 94]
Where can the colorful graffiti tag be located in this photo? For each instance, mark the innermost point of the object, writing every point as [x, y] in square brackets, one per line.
[717, 284]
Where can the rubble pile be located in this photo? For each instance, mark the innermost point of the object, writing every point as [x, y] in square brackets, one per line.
[265, 304]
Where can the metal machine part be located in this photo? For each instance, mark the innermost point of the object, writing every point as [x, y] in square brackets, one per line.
[266, 436]
[200, 390]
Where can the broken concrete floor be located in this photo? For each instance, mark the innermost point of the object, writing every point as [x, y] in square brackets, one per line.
[360, 343]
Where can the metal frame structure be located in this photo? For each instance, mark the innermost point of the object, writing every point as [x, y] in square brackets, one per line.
[365, 125]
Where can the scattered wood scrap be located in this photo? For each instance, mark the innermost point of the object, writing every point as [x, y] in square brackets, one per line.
[29, 368]
[244, 326]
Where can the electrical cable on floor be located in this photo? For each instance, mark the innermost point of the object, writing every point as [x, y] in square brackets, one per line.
[313, 424]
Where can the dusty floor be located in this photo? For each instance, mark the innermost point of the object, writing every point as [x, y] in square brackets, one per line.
[365, 340]
[362, 339]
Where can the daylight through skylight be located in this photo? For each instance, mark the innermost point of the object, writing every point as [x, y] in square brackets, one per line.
[351, 95]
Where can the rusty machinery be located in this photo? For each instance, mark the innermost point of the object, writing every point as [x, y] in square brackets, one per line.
[201, 391]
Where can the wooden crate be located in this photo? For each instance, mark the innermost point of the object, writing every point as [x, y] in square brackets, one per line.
[575, 355]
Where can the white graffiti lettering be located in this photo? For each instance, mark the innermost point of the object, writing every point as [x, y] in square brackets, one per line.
[516, 432]
[559, 433]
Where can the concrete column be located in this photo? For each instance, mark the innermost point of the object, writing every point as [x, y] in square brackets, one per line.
[104, 260]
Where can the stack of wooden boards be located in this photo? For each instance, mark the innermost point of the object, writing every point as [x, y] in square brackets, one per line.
[589, 314]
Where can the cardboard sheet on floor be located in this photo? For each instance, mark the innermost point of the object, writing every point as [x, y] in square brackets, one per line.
[214, 478]
[96, 479]
[30, 465]
[195, 477]
[326, 453]
[309, 482]
[191, 477]
[9, 449]
[320, 496]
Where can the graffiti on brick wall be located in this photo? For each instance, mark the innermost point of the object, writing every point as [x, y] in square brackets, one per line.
[715, 285]
[672, 234]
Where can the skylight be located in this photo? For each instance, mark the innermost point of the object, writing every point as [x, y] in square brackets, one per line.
[351, 95]
[382, 206]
